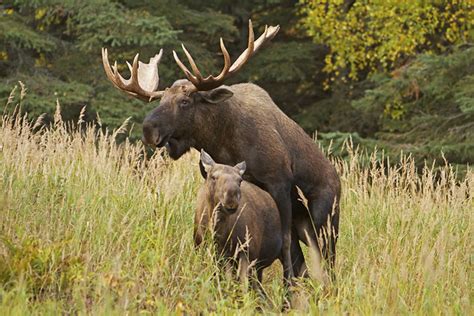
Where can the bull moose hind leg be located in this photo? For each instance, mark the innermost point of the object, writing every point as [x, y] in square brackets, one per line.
[324, 230]
[299, 265]
[299, 214]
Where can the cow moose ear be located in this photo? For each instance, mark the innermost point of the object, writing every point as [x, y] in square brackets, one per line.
[206, 160]
[241, 166]
[217, 95]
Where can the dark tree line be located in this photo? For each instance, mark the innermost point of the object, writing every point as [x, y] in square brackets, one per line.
[418, 103]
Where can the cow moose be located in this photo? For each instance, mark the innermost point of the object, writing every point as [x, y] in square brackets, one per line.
[244, 219]
[242, 123]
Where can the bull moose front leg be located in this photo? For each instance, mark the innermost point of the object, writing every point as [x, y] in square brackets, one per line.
[281, 193]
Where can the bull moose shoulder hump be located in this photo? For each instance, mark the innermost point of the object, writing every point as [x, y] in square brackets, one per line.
[242, 123]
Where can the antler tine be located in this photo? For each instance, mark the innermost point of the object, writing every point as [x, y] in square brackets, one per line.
[108, 69]
[120, 81]
[158, 56]
[226, 68]
[106, 63]
[134, 74]
[268, 35]
[248, 52]
[196, 71]
[129, 66]
[185, 69]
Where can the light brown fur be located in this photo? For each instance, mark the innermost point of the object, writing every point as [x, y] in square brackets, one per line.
[251, 233]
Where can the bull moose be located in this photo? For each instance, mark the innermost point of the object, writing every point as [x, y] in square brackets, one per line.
[242, 123]
[244, 218]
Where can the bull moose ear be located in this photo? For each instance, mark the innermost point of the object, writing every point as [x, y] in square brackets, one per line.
[206, 160]
[217, 95]
[241, 166]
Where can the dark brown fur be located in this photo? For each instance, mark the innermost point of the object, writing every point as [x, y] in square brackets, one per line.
[244, 218]
[242, 123]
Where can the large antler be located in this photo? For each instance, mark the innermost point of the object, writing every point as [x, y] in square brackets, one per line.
[211, 82]
[143, 79]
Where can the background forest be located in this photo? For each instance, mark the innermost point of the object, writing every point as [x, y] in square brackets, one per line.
[397, 75]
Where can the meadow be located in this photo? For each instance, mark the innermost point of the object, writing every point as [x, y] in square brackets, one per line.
[89, 226]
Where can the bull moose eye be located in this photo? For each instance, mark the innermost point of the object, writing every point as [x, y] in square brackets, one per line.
[184, 103]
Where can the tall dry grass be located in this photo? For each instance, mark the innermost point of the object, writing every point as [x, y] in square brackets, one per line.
[89, 226]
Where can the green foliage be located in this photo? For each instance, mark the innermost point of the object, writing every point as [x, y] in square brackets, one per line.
[44, 269]
[54, 45]
[291, 57]
[424, 108]
[115, 26]
[373, 35]
[43, 92]
[54, 48]
[19, 36]
[464, 94]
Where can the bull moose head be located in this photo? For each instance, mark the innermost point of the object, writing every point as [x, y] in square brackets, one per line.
[182, 105]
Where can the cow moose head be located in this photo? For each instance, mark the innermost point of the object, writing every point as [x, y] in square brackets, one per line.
[223, 182]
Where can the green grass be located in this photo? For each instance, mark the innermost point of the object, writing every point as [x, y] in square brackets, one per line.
[88, 226]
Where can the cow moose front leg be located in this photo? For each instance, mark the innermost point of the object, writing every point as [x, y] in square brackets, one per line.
[257, 282]
[243, 270]
[282, 195]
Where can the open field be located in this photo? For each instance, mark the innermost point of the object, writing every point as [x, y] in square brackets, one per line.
[89, 226]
